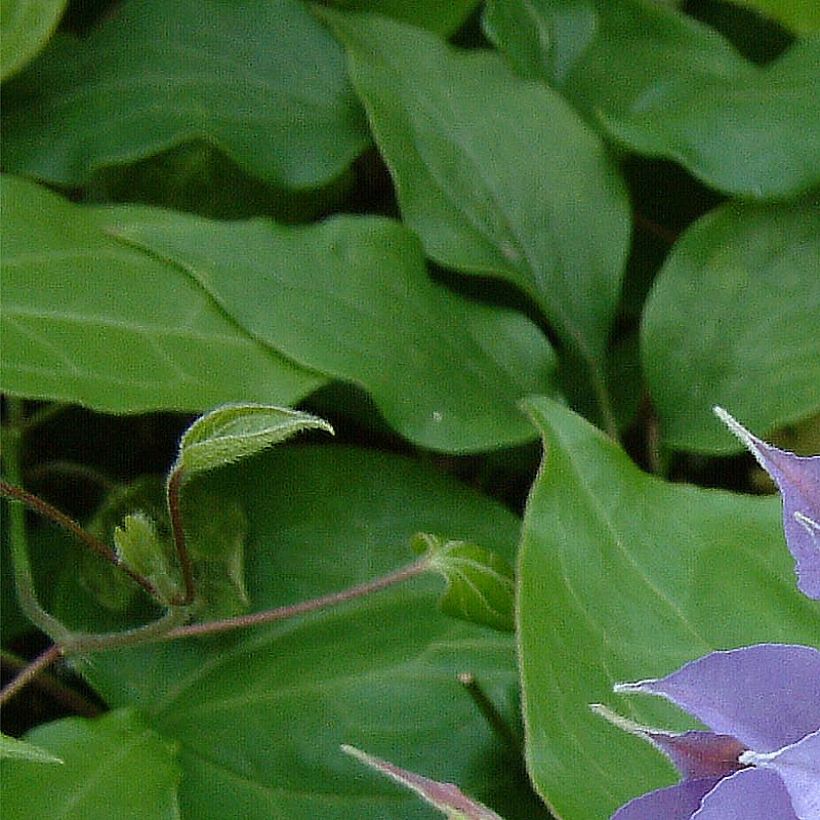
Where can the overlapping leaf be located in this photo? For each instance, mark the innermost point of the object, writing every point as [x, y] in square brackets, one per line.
[260, 715]
[88, 320]
[749, 274]
[625, 577]
[443, 18]
[265, 82]
[114, 766]
[496, 175]
[25, 26]
[351, 298]
[665, 85]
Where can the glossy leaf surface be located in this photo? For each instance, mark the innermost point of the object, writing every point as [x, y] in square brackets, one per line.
[351, 298]
[114, 766]
[665, 85]
[260, 715]
[25, 26]
[12, 748]
[265, 82]
[88, 320]
[623, 576]
[496, 175]
[749, 273]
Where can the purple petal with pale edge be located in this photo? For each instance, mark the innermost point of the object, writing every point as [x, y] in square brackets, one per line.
[699, 754]
[798, 766]
[672, 803]
[750, 794]
[767, 696]
[798, 478]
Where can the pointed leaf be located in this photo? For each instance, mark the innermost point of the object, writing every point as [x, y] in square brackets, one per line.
[480, 583]
[667, 85]
[115, 766]
[528, 194]
[236, 431]
[749, 273]
[445, 797]
[12, 748]
[622, 576]
[446, 373]
[266, 83]
[25, 26]
[115, 329]
[798, 479]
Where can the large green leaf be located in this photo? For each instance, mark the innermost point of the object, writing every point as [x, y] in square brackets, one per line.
[665, 85]
[624, 577]
[25, 26]
[114, 766]
[260, 715]
[750, 275]
[497, 175]
[88, 320]
[801, 16]
[263, 81]
[351, 298]
[441, 16]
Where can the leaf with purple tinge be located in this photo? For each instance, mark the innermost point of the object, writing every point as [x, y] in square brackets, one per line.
[798, 478]
[762, 704]
[445, 797]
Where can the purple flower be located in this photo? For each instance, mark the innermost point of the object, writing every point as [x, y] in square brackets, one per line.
[799, 481]
[761, 759]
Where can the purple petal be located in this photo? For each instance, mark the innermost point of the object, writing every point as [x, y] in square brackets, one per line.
[767, 696]
[673, 803]
[699, 754]
[798, 766]
[751, 794]
[798, 478]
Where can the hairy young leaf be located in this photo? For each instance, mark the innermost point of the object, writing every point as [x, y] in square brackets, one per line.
[236, 431]
[351, 298]
[497, 175]
[665, 85]
[445, 797]
[12, 748]
[623, 576]
[25, 26]
[115, 766]
[88, 320]
[265, 82]
[260, 714]
[748, 277]
[480, 583]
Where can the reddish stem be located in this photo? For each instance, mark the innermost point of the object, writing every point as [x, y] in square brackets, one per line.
[178, 530]
[38, 665]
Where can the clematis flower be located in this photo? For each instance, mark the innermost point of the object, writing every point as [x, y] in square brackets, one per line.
[761, 759]
[798, 478]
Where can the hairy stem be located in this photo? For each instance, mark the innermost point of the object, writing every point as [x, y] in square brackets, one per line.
[38, 665]
[178, 529]
[50, 512]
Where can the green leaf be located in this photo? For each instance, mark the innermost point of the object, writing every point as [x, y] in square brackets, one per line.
[237, 431]
[25, 26]
[665, 85]
[800, 16]
[749, 273]
[12, 748]
[480, 583]
[90, 321]
[350, 297]
[625, 577]
[260, 714]
[115, 766]
[440, 16]
[496, 175]
[445, 797]
[265, 82]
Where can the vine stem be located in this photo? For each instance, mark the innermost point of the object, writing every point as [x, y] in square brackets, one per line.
[178, 529]
[45, 509]
[30, 672]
